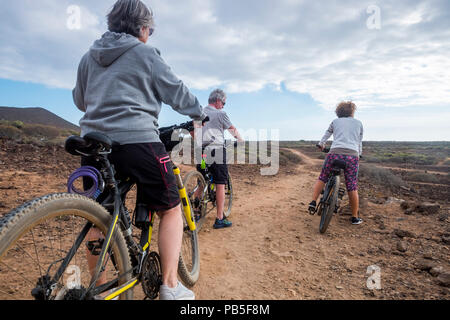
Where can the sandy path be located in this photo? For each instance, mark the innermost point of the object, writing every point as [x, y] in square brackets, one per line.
[275, 251]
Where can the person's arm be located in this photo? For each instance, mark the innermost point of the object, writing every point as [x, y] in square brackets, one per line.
[78, 91]
[235, 133]
[326, 136]
[360, 140]
[173, 92]
[226, 122]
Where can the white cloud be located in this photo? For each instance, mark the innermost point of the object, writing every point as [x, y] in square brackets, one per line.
[320, 48]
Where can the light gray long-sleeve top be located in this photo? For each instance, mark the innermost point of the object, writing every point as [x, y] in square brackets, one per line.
[347, 134]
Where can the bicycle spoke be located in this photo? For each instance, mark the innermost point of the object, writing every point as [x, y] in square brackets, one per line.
[21, 275]
[37, 255]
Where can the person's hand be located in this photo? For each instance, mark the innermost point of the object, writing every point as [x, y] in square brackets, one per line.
[198, 124]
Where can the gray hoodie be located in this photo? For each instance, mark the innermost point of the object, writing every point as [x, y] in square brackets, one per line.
[120, 86]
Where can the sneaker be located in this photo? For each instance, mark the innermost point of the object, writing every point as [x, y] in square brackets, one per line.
[312, 207]
[180, 292]
[356, 220]
[224, 223]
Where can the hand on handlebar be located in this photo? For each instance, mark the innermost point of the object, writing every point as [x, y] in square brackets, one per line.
[197, 124]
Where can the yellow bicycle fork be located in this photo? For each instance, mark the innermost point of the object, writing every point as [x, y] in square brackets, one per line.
[184, 199]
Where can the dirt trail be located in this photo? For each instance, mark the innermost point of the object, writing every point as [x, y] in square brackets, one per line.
[275, 251]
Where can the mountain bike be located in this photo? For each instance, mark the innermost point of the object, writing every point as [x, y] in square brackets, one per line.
[41, 251]
[332, 194]
[201, 192]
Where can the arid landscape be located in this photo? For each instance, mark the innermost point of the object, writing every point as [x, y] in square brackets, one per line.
[274, 250]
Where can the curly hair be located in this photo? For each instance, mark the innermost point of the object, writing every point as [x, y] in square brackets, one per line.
[345, 109]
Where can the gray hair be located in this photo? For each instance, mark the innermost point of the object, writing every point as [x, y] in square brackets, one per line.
[129, 16]
[216, 95]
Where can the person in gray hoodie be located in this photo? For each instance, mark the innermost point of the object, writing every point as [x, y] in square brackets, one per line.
[121, 84]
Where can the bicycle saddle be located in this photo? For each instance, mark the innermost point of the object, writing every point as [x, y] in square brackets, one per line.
[339, 164]
[91, 144]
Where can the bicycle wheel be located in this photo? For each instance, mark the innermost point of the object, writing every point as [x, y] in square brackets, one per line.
[329, 204]
[189, 262]
[228, 198]
[196, 187]
[36, 237]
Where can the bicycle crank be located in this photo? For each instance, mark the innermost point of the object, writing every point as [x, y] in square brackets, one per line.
[151, 276]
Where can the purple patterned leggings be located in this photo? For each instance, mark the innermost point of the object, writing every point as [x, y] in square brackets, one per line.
[350, 172]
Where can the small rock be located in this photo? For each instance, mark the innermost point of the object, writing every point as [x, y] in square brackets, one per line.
[436, 271]
[446, 239]
[428, 208]
[402, 246]
[404, 233]
[444, 279]
[428, 255]
[409, 211]
[393, 200]
[425, 265]
[339, 288]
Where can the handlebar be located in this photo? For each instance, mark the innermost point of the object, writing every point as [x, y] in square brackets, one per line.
[189, 126]
[324, 150]
[165, 133]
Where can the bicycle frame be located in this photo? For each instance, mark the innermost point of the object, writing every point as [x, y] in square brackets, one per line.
[119, 213]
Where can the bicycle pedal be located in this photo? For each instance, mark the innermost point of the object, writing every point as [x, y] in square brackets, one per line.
[95, 246]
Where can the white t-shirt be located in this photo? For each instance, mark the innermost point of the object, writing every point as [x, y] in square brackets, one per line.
[213, 130]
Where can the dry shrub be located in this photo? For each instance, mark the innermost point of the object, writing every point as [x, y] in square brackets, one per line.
[10, 132]
[39, 130]
[287, 157]
[380, 176]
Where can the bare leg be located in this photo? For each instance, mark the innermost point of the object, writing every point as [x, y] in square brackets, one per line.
[318, 187]
[354, 202]
[169, 242]
[220, 200]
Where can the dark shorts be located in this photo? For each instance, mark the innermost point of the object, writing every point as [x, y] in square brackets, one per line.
[219, 171]
[350, 172]
[149, 165]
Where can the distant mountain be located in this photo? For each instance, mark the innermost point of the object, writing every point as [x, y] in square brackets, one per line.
[35, 116]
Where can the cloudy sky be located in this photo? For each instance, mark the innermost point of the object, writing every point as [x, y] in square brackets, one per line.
[284, 63]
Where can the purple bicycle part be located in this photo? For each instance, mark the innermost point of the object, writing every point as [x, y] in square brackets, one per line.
[88, 172]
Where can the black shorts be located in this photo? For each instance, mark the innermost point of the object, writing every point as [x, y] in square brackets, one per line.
[219, 171]
[149, 165]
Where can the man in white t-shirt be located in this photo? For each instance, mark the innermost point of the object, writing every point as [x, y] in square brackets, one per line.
[213, 142]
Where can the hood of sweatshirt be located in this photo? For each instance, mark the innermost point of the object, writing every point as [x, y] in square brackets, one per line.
[111, 46]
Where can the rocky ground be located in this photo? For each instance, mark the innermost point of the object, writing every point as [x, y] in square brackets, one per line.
[274, 249]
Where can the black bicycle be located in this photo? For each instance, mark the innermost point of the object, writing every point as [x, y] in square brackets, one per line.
[41, 251]
[332, 194]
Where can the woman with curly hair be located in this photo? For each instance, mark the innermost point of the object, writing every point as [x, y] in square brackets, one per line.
[347, 146]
